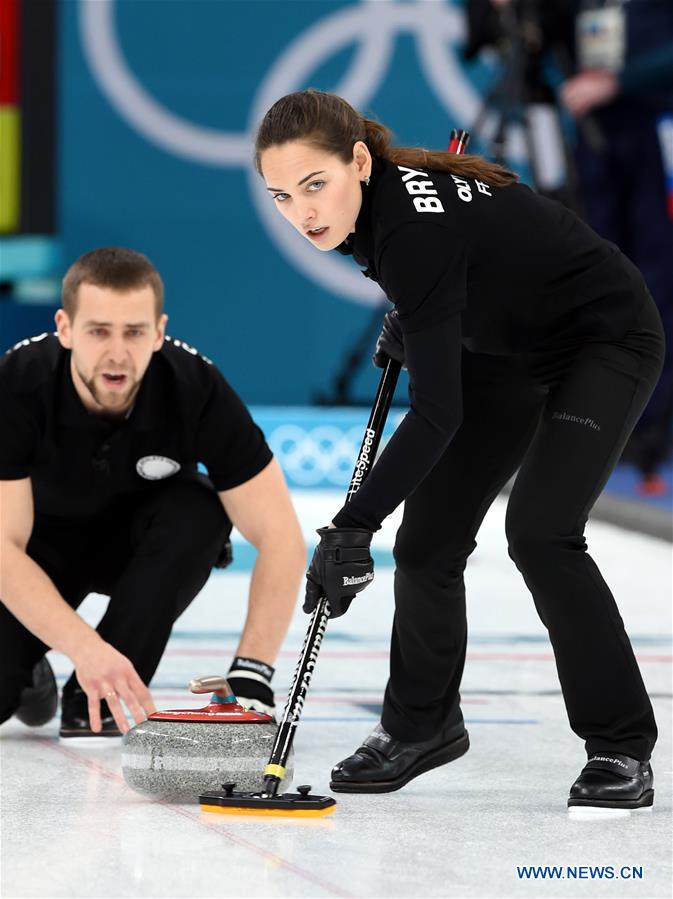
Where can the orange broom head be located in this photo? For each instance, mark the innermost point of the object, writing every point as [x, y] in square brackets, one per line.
[296, 805]
[271, 812]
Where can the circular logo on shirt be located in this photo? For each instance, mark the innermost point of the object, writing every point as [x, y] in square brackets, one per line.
[155, 468]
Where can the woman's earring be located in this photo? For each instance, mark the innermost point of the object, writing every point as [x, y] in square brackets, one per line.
[367, 179]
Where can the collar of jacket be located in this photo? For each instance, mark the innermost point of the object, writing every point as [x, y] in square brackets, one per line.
[360, 244]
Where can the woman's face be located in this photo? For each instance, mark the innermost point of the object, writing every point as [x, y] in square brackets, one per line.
[316, 191]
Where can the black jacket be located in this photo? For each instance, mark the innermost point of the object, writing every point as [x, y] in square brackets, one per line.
[498, 270]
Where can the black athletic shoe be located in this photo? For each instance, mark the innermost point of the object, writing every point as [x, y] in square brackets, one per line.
[383, 764]
[609, 780]
[39, 703]
[75, 717]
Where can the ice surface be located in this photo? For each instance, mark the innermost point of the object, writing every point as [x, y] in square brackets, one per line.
[71, 827]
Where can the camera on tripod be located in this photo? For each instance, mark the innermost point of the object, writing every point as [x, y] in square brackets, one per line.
[538, 24]
[530, 37]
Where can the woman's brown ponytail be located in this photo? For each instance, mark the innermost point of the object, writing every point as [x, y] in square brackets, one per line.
[378, 140]
[330, 123]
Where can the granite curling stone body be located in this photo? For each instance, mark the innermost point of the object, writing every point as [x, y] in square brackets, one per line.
[180, 753]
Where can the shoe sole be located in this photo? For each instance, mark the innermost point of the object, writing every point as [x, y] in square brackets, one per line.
[441, 756]
[90, 735]
[645, 801]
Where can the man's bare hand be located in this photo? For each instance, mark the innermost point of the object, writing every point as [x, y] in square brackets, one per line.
[104, 673]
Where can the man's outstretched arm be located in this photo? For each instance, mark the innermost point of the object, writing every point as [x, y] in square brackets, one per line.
[261, 509]
[31, 596]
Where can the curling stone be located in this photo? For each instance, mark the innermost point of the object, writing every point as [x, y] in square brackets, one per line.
[180, 753]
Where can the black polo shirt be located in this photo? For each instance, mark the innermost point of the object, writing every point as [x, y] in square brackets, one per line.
[497, 270]
[185, 413]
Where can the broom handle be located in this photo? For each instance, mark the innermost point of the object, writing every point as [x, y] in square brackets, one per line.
[275, 769]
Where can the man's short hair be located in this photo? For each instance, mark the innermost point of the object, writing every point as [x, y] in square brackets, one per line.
[114, 267]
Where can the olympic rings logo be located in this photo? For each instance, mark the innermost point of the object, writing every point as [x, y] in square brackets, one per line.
[437, 26]
[319, 456]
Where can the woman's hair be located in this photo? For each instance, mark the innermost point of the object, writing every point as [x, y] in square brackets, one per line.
[330, 123]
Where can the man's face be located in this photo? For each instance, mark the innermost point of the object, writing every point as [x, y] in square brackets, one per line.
[318, 193]
[112, 337]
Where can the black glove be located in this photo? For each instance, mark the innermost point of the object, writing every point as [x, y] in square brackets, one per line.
[250, 682]
[341, 567]
[390, 343]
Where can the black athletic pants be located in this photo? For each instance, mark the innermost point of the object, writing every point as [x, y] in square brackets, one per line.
[560, 418]
[151, 554]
